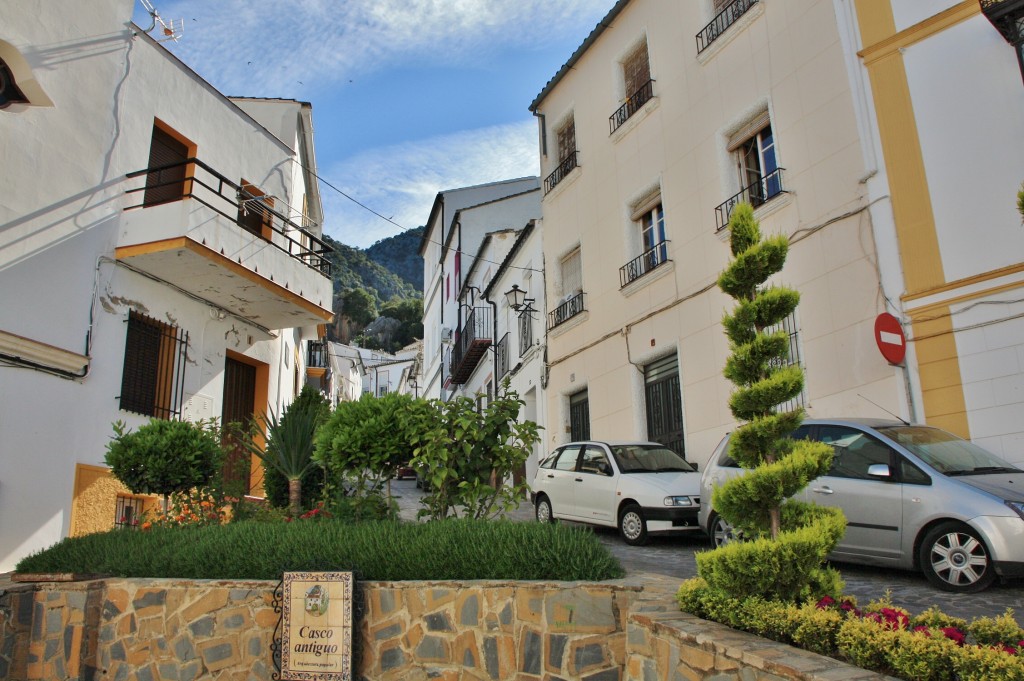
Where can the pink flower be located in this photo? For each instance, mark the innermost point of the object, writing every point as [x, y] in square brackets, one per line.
[954, 634]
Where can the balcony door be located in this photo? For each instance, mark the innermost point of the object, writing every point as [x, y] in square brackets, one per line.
[238, 408]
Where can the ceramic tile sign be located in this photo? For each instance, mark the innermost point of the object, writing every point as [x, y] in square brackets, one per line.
[316, 626]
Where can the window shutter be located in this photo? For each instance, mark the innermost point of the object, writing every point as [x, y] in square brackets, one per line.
[165, 185]
[754, 126]
[636, 70]
[572, 273]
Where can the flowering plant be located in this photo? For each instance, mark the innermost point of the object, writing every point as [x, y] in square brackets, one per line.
[199, 506]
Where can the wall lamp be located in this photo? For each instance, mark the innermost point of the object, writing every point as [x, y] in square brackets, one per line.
[518, 301]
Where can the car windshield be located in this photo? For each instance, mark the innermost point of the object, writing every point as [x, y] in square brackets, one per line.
[649, 459]
[946, 452]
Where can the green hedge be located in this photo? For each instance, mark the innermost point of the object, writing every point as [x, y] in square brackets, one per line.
[382, 550]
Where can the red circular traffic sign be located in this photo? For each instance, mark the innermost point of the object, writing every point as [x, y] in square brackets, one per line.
[890, 339]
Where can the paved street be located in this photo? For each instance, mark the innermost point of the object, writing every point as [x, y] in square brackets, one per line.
[674, 557]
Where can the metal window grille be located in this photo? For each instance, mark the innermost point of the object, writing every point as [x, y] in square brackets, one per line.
[789, 325]
[664, 402]
[501, 356]
[579, 416]
[525, 333]
[152, 379]
[128, 512]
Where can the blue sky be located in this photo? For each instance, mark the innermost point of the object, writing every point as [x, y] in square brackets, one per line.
[409, 96]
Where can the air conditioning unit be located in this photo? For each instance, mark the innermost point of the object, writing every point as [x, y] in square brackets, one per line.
[446, 334]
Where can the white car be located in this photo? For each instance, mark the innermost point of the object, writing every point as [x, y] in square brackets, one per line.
[641, 488]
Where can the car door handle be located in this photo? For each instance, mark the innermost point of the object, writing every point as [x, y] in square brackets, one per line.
[823, 490]
[579, 479]
[551, 475]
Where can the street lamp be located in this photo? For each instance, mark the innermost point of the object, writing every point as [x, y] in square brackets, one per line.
[518, 301]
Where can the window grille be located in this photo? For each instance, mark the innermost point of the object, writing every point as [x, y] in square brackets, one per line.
[789, 325]
[579, 416]
[154, 367]
[664, 402]
[128, 512]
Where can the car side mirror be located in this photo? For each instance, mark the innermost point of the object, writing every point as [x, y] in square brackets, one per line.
[879, 470]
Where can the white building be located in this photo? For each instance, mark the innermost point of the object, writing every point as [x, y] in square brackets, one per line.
[459, 220]
[649, 137]
[159, 252]
[940, 98]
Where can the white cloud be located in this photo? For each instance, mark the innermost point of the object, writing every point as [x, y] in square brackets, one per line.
[250, 46]
[401, 181]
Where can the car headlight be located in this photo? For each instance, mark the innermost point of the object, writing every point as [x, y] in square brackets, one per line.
[678, 501]
[1017, 506]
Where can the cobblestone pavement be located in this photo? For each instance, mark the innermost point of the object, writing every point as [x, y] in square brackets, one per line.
[674, 556]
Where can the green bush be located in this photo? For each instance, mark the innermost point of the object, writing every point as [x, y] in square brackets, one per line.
[383, 550]
[882, 637]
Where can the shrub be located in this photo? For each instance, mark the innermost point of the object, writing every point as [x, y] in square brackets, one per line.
[287, 457]
[458, 550]
[787, 560]
[993, 631]
[164, 457]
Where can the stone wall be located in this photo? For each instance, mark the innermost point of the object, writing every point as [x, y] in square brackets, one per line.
[176, 630]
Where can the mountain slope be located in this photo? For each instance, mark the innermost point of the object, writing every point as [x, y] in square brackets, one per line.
[400, 254]
[353, 268]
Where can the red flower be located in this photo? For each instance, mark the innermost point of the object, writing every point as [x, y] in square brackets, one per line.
[954, 635]
[849, 607]
[1008, 649]
[923, 630]
[895, 619]
[825, 603]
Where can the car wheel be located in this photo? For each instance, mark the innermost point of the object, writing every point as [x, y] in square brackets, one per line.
[544, 510]
[721, 531]
[954, 558]
[632, 525]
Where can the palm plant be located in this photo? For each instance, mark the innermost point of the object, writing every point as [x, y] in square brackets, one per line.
[290, 441]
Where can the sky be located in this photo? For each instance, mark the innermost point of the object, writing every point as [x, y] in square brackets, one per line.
[409, 97]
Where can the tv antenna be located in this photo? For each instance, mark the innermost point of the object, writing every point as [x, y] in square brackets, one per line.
[171, 30]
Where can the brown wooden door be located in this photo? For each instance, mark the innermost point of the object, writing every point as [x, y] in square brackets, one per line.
[239, 403]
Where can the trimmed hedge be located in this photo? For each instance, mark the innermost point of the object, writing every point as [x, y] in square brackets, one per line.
[380, 551]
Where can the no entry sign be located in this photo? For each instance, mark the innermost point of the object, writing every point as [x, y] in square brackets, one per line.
[890, 339]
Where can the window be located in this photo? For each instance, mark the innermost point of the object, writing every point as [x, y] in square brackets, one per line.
[569, 290]
[128, 512]
[579, 416]
[566, 135]
[154, 367]
[758, 172]
[567, 459]
[638, 85]
[254, 208]
[855, 451]
[664, 402]
[594, 461]
[649, 216]
[525, 332]
[789, 325]
[168, 177]
[10, 93]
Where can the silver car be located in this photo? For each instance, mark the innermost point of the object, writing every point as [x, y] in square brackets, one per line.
[641, 488]
[915, 497]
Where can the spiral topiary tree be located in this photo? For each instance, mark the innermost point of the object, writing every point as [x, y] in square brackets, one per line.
[787, 540]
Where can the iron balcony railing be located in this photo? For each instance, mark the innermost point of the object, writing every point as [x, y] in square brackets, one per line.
[525, 333]
[642, 264]
[566, 311]
[501, 357]
[316, 354]
[722, 21]
[558, 174]
[1008, 18]
[228, 199]
[471, 342]
[756, 193]
[632, 105]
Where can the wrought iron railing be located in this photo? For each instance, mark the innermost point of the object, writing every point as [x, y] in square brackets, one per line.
[566, 311]
[501, 357]
[756, 193]
[1008, 18]
[525, 333]
[632, 105]
[316, 354]
[194, 179]
[558, 174]
[471, 341]
[722, 21]
[642, 264]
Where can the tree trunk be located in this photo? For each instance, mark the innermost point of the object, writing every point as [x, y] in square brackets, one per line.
[775, 521]
[295, 497]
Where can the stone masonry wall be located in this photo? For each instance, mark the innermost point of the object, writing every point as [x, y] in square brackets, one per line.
[177, 630]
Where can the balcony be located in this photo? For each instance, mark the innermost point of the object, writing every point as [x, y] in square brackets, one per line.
[564, 168]
[722, 21]
[566, 311]
[633, 104]
[316, 358]
[471, 342]
[644, 263]
[502, 356]
[226, 244]
[1008, 18]
[756, 194]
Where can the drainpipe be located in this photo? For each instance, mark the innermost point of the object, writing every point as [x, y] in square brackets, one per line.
[494, 346]
[543, 133]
